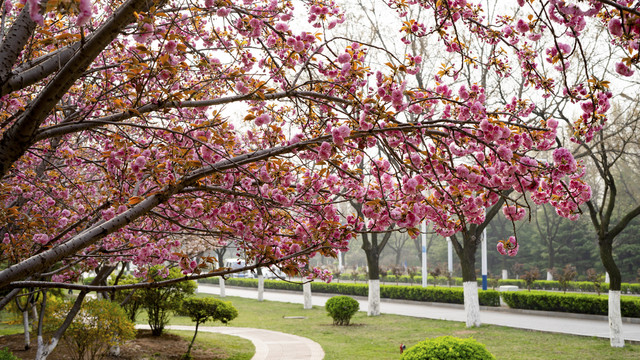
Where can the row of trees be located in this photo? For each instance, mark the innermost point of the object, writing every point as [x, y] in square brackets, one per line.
[129, 128]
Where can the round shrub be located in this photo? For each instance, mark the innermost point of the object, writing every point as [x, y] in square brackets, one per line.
[341, 309]
[447, 348]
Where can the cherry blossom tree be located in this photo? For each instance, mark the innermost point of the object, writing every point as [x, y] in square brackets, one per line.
[127, 124]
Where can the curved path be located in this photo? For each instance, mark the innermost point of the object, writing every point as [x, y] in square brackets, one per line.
[270, 345]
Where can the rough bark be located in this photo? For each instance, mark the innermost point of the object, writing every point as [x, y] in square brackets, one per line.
[15, 40]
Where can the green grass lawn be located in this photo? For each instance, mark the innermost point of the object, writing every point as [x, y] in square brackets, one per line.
[236, 348]
[380, 337]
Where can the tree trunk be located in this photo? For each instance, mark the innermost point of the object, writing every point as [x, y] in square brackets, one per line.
[552, 254]
[467, 256]
[45, 350]
[260, 287]
[615, 315]
[223, 292]
[195, 333]
[372, 251]
[308, 299]
[25, 324]
[374, 298]
[471, 303]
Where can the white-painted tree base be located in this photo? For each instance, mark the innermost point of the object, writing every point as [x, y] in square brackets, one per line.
[260, 287]
[471, 303]
[549, 276]
[374, 298]
[615, 319]
[306, 290]
[505, 274]
[223, 292]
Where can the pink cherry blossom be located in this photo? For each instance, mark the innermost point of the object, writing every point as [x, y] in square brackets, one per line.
[623, 69]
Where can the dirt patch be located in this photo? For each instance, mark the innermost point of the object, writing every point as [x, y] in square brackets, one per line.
[144, 346]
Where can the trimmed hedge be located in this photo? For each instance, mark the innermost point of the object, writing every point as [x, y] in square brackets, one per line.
[576, 286]
[574, 303]
[416, 293]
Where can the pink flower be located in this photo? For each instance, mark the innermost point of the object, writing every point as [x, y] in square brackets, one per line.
[85, 12]
[615, 27]
[34, 12]
[513, 212]
[222, 12]
[8, 5]
[339, 134]
[324, 152]
[522, 26]
[41, 238]
[343, 58]
[623, 70]
[242, 88]
[508, 247]
[262, 119]
[564, 160]
[505, 153]
[281, 26]
[109, 214]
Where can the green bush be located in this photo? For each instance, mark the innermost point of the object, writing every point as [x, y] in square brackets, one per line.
[99, 325]
[341, 308]
[5, 354]
[575, 303]
[447, 348]
[133, 298]
[160, 302]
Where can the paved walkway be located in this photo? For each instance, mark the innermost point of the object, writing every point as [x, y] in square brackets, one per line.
[575, 324]
[270, 345]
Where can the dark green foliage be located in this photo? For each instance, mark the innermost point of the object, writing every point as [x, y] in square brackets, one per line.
[576, 303]
[341, 308]
[130, 300]
[201, 310]
[587, 286]
[160, 302]
[5, 354]
[447, 348]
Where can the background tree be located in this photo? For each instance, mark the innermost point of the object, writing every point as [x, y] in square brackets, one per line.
[161, 302]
